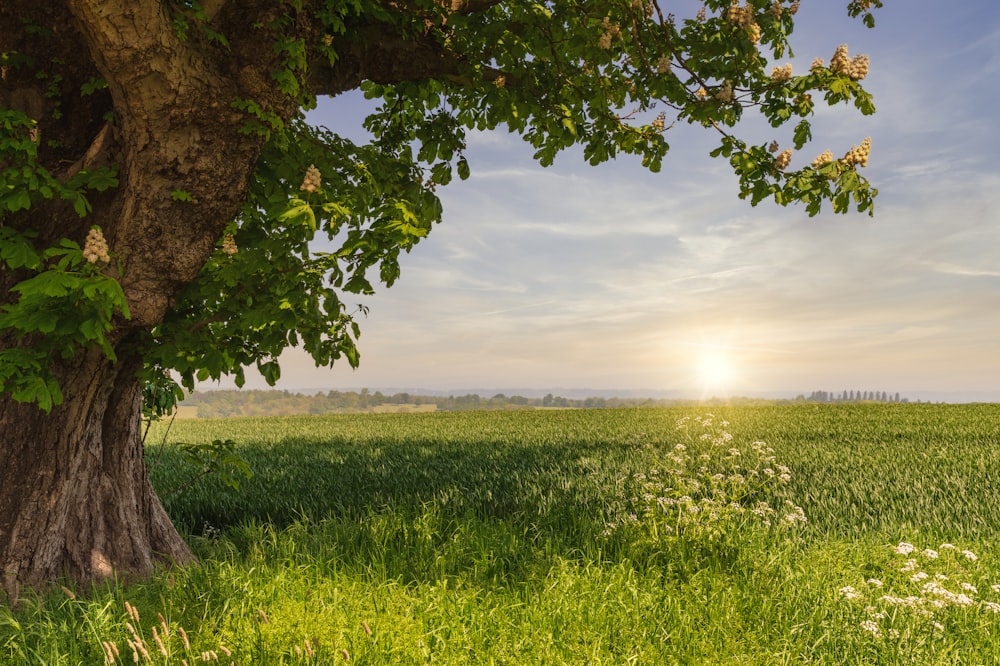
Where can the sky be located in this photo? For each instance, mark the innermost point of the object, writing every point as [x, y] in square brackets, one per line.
[626, 282]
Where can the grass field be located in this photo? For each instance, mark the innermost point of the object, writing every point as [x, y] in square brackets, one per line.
[564, 537]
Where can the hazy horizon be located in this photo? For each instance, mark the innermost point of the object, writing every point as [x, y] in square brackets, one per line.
[612, 278]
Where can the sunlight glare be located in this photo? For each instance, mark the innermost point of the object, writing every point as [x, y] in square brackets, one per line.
[715, 370]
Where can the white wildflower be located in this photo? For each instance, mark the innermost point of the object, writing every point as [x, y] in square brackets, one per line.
[904, 548]
[849, 593]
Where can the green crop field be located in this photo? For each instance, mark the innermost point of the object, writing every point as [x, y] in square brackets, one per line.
[787, 534]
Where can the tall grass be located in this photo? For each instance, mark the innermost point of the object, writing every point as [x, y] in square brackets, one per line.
[491, 538]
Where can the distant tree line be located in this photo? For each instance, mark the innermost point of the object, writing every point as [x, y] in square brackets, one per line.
[223, 403]
[218, 404]
[852, 396]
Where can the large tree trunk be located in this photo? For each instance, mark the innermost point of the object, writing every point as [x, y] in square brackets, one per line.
[75, 499]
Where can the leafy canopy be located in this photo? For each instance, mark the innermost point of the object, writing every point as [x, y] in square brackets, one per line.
[613, 76]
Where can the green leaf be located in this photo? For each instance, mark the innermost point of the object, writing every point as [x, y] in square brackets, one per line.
[81, 205]
[298, 212]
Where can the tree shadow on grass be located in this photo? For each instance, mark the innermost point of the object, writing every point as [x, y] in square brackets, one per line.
[433, 508]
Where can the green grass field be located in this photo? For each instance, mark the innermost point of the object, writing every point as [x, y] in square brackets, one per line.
[564, 537]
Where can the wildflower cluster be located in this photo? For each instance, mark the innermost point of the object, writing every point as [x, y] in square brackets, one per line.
[707, 489]
[229, 245]
[858, 155]
[744, 18]
[311, 182]
[921, 589]
[610, 32]
[95, 248]
[856, 67]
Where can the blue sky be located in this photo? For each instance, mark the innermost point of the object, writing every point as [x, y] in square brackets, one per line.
[614, 278]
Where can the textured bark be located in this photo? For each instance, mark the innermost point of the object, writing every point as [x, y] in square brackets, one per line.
[75, 500]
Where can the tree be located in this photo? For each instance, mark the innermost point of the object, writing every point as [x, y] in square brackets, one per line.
[160, 190]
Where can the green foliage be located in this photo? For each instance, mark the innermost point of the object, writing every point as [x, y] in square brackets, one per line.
[278, 290]
[612, 78]
[68, 304]
[24, 182]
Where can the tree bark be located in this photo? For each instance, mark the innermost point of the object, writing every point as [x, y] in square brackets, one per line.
[75, 499]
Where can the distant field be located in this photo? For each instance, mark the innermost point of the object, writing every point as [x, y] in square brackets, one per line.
[858, 468]
[186, 412]
[403, 409]
[567, 537]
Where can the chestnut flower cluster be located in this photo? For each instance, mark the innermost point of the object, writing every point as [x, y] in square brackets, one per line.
[610, 32]
[229, 245]
[744, 18]
[783, 159]
[856, 67]
[725, 92]
[858, 155]
[95, 248]
[643, 6]
[311, 182]
[782, 74]
[776, 10]
[824, 158]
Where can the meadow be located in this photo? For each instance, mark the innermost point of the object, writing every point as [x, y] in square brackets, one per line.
[784, 534]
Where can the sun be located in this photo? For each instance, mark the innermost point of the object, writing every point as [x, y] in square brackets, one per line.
[715, 370]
